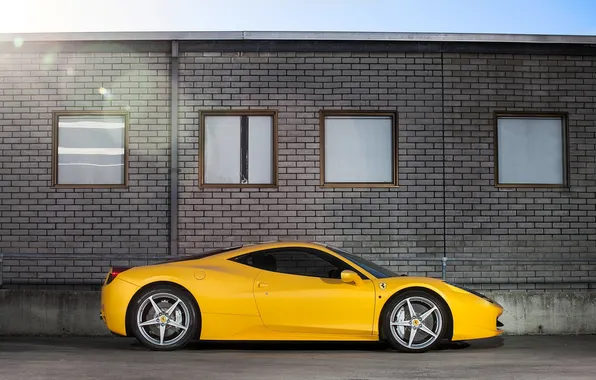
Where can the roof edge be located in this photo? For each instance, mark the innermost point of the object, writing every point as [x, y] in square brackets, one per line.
[298, 35]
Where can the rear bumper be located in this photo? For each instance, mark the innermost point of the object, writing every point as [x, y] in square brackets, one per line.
[115, 298]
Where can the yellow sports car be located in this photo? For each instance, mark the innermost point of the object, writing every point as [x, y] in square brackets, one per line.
[289, 291]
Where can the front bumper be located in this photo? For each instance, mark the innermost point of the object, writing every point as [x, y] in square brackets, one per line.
[475, 316]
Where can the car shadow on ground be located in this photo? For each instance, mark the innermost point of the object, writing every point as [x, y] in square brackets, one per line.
[324, 346]
[130, 344]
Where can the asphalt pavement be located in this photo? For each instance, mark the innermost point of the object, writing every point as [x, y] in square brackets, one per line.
[539, 357]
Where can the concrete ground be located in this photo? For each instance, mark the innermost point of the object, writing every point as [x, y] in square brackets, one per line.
[543, 357]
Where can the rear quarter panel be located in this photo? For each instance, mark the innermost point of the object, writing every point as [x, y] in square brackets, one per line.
[219, 287]
[223, 291]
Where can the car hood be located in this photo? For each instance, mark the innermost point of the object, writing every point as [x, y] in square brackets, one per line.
[394, 284]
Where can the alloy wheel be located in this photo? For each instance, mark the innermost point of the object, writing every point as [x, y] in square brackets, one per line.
[416, 322]
[163, 319]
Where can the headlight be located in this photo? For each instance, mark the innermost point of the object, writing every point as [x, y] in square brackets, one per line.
[470, 291]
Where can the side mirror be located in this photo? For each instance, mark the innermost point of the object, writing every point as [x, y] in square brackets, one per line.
[350, 277]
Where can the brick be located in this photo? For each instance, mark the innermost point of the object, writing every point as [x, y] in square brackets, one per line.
[480, 221]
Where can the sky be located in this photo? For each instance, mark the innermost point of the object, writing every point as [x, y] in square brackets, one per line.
[443, 16]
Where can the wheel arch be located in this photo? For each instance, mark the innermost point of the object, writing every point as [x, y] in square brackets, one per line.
[449, 331]
[157, 284]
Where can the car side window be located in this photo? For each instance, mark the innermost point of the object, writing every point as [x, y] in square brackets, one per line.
[297, 262]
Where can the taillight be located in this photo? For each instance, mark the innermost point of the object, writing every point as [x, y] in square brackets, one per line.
[114, 271]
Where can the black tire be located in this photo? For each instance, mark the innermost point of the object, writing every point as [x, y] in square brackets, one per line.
[185, 314]
[398, 336]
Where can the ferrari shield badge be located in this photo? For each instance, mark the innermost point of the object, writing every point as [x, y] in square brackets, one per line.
[382, 285]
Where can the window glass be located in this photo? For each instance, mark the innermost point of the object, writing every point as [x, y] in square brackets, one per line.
[260, 149]
[238, 149]
[90, 149]
[297, 262]
[531, 150]
[359, 149]
[222, 149]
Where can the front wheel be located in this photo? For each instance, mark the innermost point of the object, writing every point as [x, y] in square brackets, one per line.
[163, 318]
[415, 321]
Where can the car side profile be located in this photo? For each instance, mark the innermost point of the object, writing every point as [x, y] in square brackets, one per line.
[289, 291]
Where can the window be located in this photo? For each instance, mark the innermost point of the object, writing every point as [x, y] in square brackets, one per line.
[298, 262]
[89, 149]
[239, 148]
[531, 150]
[358, 149]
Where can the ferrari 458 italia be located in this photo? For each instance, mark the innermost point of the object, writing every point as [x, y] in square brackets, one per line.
[289, 291]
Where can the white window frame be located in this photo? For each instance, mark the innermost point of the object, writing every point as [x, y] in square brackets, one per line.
[204, 141]
[564, 148]
[56, 149]
[325, 114]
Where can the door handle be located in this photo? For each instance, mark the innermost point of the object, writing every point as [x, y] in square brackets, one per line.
[262, 285]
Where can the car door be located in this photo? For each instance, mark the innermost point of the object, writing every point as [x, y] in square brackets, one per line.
[300, 290]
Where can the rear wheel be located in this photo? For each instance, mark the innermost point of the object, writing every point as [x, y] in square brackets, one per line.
[163, 318]
[415, 321]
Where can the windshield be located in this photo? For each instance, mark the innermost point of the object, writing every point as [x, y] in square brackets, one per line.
[372, 268]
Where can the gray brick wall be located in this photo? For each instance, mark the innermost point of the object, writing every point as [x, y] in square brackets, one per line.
[403, 227]
[404, 222]
[38, 219]
[534, 223]
[394, 226]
